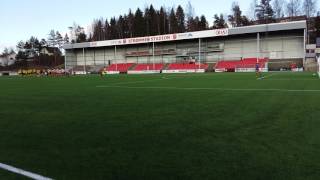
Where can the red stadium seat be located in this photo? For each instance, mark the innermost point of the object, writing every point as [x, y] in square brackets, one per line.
[145, 67]
[122, 68]
[245, 63]
[186, 66]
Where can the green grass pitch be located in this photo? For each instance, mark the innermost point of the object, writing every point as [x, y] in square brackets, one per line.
[186, 126]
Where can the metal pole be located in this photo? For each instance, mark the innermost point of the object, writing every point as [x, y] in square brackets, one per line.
[94, 57]
[304, 46]
[115, 55]
[65, 61]
[84, 59]
[199, 61]
[258, 47]
[153, 56]
[104, 57]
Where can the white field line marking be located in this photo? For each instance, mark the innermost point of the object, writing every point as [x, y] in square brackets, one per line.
[216, 89]
[23, 172]
[136, 82]
[283, 79]
[268, 76]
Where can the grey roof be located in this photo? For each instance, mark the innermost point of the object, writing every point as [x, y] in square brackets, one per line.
[268, 27]
[231, 31]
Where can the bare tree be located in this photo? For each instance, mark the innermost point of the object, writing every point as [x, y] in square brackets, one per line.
[293, 8]
[278, 8]
[309, 7]
[252, 10]
[190, 13]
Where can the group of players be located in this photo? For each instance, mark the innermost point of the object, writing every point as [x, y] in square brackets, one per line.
[43, 72]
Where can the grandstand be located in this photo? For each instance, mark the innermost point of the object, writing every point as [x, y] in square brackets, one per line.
[245, 65]
[233, 49]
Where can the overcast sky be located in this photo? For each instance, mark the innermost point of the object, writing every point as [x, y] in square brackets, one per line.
[21, 19]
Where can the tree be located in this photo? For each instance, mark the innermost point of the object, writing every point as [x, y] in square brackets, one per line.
[139, 24]
[163, 21]
[252, 9]
[20, 45]
[190, 24]
[59, 40]
[125, 27]
[219, 22]
[246, 21]
[98, 30]
[147, 20]
[82, 37]
[5, 51]
[120, 27]
[107, 35]
[190, 12]
[264, 11]
[113, 28]
[180, 20]
[66, 38]
[173, 22]
[43, 43]
[293, 8]
[130, 23]
[309, 7]
[151, 21]
[236, 18]
[52, 38]
[75, 31]
[203, 24]
[277, 6]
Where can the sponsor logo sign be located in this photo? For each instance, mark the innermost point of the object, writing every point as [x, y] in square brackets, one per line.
[162, 38]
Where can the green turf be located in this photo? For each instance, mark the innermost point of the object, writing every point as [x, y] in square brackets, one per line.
[197, 126]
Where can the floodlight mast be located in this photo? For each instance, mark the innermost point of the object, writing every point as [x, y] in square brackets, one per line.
[199, 61]
[153, 56]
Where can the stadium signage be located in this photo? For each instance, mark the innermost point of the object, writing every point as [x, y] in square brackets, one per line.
[162, 38]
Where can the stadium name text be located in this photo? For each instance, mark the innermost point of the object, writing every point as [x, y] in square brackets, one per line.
[162, 38]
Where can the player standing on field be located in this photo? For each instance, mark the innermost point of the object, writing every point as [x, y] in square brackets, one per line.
[258, 72]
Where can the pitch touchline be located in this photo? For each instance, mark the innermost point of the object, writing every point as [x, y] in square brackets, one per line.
[143, 81]
[23, 172]
[217, 89]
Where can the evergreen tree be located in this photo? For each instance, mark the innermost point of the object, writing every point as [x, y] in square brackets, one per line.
[113, 29]
[219, 22]
[120, 27]
[43, 43]
[236, 18]
[130, 22]
[163, 21]
[82, 37]
[180, 20]
[125, 27]
[98, 30]
[107, 35]
[147, 21]
[265, 12]
[139, 28]
[59, 40]
[203, 24]
[173, 22]
[52, 38]
[65, 39]
[191, 24]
